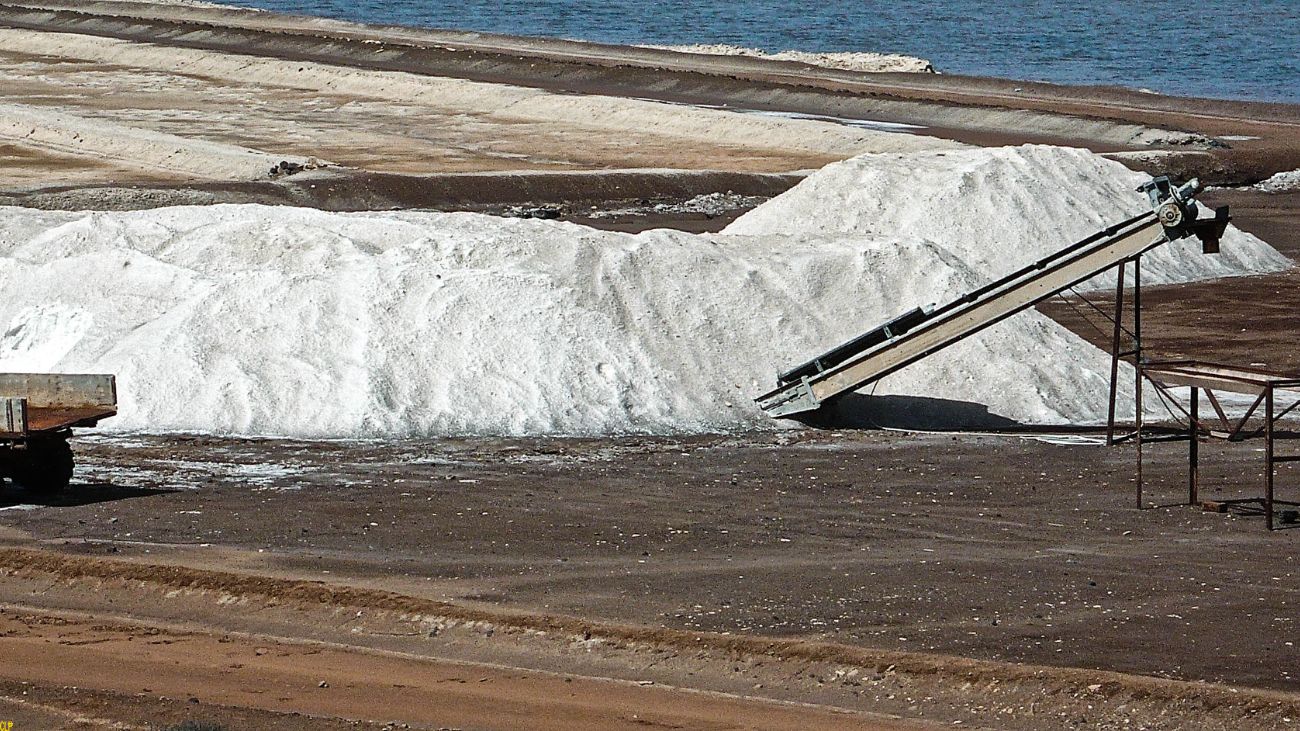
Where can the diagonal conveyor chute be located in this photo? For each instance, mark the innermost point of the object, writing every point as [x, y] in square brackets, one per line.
[920, 333]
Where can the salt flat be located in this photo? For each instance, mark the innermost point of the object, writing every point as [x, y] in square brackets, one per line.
[212, 107]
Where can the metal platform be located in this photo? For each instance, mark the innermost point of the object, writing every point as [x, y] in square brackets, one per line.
[1199, 376]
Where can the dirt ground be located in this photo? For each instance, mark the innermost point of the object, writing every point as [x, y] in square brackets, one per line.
[1006, 549]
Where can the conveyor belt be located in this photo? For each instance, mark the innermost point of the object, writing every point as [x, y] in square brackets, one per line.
[869, 358]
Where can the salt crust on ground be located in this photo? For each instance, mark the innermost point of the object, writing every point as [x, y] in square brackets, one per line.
[847, 61]
[296, 322]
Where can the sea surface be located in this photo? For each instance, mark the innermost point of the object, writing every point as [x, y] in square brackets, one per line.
[1231, 49]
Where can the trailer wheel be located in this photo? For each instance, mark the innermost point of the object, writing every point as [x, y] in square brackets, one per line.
[45, 467]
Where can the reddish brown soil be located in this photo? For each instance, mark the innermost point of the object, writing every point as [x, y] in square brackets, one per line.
[988, 547]
[283, 685]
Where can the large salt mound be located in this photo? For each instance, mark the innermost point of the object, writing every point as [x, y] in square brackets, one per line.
[994, 210]
[284, 321]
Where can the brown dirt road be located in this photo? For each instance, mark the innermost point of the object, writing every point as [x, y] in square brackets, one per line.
[312, 686]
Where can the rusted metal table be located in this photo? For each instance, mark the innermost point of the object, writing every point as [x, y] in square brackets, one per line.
[1198, 376]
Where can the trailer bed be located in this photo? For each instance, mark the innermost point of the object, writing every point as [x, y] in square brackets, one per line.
[32, 404]
[38, 412]
[65, 417]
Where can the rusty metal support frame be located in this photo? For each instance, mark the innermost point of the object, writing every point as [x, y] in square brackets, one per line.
[1207, 377]
[1193, 444]
[1269, 465]
[1197, 377]
[1260, 384]
[1137, 370]
[1115, 343]
[1117, 354]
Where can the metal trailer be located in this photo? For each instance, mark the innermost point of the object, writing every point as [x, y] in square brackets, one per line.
[38, 412]
[922, 332]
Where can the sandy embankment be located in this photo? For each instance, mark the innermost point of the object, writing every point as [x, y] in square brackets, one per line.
[405, 111]
[417, 101]
[547, 128]
[110, 142]
[967, 107]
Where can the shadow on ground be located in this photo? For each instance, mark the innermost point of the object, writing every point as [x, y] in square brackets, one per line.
[77, 494]
[915, 413]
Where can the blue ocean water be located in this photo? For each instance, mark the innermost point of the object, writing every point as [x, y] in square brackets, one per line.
[1231, 49]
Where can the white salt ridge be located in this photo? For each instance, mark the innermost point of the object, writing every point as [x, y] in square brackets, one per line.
[297, 322]
[862, 61]
[1280, 183]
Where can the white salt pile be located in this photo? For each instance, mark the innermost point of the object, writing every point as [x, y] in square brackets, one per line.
[984, 213]
[994, 210]
[283, 321]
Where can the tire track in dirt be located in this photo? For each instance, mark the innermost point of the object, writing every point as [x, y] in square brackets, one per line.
[328, 682]
[1022, 691]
